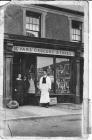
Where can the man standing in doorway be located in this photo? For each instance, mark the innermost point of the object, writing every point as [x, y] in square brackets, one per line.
[45, 86]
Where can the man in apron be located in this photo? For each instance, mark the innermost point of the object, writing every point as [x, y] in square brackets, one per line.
[45, 86]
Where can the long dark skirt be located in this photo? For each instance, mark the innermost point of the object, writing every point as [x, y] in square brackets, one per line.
[19, 98]
[20, 91]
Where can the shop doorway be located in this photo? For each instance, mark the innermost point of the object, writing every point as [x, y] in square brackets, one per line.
[25, 64]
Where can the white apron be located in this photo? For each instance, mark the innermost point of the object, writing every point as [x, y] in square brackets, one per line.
[44, 87]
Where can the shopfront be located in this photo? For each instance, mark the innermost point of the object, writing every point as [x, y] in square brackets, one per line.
[61, 66]
[31, 62]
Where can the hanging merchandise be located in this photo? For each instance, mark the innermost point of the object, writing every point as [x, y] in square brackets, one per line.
[32, 86]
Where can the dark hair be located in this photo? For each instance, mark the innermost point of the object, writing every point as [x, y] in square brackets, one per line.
[45, 70]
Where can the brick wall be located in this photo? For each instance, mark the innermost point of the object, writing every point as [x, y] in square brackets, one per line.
[57, 27]
[13, 23]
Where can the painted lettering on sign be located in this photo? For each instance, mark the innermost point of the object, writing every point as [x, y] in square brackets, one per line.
[42, 51]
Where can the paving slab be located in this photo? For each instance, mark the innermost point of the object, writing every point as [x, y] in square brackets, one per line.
[34, 112]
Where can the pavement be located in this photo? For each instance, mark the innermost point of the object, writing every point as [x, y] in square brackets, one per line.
[29, 111]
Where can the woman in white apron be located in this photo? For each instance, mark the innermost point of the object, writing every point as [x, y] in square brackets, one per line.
[45, 86]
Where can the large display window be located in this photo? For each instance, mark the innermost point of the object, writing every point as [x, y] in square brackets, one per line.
[58, 69]
[63, 75]
[45, 63]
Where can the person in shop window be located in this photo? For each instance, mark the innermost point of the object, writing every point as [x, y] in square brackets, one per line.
[19, 89]
[31, 88]
[26, 86]
[45, 87]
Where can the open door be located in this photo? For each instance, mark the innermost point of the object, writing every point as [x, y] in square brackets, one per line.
[25, 64]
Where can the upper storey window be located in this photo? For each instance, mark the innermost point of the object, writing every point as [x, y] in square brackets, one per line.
[76, 31]
[33, 24]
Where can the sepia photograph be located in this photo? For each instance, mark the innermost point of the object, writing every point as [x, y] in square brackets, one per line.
[45, 69]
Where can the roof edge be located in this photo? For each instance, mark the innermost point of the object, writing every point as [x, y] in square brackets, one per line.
[61, 9]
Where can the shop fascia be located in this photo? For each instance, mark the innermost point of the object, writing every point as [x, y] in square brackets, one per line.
[42, 51]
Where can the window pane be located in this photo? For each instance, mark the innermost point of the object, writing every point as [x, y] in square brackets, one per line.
[77, 38]
[75, 24]
[80, 26]
[37, 27]
[63, 75]
[31, 26]
[27, 19]
[76, 30]
[37, 21]
[31, 19]
[34, 27]
[34, 21]
[30, 33]
[36, 34]
[45, 63]
[27, 26]
[72, 37]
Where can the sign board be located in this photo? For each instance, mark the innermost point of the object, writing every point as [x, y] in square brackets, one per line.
[42, 51]
[53, 101]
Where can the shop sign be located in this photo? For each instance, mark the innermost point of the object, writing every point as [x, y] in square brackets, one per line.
[42, 51]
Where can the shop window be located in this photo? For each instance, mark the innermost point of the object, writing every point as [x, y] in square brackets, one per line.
[76, 31]
[33, 24]
[45, 63]
[63, 76]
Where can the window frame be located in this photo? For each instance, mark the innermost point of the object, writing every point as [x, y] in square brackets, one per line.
[54, 63]
[76, 30]
[33, 15]
[43, 17]
[79, 19]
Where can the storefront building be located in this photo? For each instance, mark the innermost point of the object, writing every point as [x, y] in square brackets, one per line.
[42, 38]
